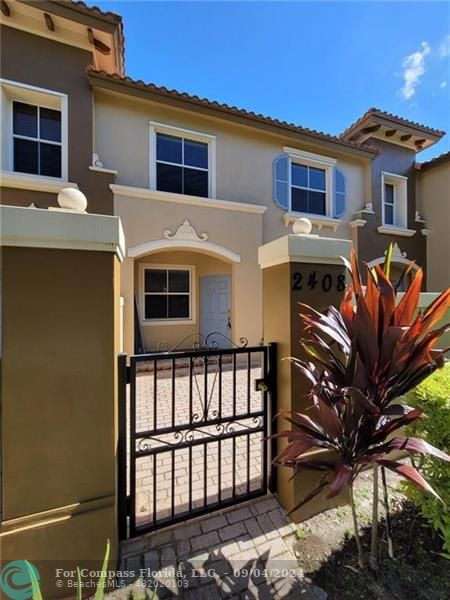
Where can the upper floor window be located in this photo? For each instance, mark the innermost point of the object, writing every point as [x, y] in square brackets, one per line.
[36, 140]
[309, 189]
[182, 162]
[389, 205]
[309, 184]
[394, 200]
[181, 165]
[35, 124]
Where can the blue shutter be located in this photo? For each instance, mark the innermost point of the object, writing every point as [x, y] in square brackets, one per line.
[339, 193]
[281, 165]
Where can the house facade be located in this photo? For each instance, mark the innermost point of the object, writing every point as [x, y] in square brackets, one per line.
[198, 185]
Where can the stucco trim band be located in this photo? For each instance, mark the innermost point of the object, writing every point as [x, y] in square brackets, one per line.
[137, 192]
[36, 183]
[200, 246]
[303, 249]
[55, 515]
[40, 228]
[392, 230]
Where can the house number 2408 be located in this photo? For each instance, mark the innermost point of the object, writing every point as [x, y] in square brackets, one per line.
[311, 281]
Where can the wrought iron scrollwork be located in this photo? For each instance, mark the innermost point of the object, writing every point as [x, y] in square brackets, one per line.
[200, 342]
[193, 433]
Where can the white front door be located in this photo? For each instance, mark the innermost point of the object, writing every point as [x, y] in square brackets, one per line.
[215, 308]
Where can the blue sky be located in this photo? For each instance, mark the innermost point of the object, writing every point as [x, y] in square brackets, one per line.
[317, 64]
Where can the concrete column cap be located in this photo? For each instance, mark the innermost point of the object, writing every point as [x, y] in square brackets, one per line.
[40, 228]
[303, 249]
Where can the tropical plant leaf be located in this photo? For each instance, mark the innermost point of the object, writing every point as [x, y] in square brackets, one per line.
[404, 313]
[396, 410]
[342, 475]
[35, 589]
[388, 260]
[100, 591]
[361, 399]
[410, 473]
[387, 296]
[417, 445]
[356, 276]
[436, 310]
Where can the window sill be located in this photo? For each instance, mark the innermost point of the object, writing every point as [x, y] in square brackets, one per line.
[164, 322]
[36, 183]
[103, 170]
[317, 220]
[393, 230]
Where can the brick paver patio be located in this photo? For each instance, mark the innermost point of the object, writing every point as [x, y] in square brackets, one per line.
[226, 394]
[243, 553]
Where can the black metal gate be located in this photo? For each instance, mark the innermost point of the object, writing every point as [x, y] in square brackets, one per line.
[193, 436]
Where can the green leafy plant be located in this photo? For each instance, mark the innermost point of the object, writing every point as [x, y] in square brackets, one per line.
[433, 396]
[100, 591]
[362, 358]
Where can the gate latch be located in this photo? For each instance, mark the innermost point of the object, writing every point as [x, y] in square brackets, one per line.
[261, 385]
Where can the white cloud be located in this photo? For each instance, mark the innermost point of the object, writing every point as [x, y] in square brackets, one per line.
[444, 48]
[414, 68]
[443, 85]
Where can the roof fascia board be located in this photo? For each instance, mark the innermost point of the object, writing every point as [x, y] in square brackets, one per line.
[74, 13]
[404, 127]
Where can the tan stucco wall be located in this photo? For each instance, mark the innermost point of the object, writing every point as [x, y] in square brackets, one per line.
[433, 192]
[146, 220]
[243, 163]
[244, 159]
[203, 265]
[59, 421]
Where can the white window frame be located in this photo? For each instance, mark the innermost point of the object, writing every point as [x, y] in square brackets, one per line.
[196, 136]
[192, 319]
[399, 182]
[309, 159]
[14, 91]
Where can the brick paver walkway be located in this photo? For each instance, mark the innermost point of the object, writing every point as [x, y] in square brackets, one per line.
[198, 477]
[243, 553]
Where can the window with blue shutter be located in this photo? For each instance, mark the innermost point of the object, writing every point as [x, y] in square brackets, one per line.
[339, 194]
[281, 191]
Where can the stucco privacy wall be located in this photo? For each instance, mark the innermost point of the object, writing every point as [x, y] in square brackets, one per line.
[145, 220]
[244, 156]
[203, 265]
[60, 336]
[433, 191]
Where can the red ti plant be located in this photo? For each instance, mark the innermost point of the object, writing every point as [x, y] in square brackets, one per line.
[363, 357]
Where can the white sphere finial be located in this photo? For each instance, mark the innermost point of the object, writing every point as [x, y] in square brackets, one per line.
[302, 226]
[72, 199]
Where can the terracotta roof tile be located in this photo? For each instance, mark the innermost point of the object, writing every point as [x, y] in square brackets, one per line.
[434, 162]
[381, 113]
[93, 9]
[231, 109]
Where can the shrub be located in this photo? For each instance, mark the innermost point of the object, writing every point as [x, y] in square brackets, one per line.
[433, 397]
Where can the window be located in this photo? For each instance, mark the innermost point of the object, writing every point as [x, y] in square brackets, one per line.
[309, 184]
[167, 294]
[308, 194]
[182, 161]
[35, 125]
[36, 140]
[181, 165]
[394, 200]
[389, 195]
